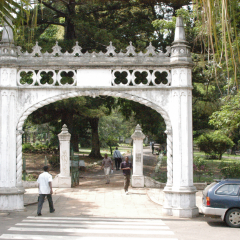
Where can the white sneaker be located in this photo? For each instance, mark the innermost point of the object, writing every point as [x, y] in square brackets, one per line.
[126, 192]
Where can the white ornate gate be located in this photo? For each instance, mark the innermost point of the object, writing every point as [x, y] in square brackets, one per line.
[161, 81]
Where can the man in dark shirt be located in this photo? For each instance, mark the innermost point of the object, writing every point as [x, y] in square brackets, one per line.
[126, 167]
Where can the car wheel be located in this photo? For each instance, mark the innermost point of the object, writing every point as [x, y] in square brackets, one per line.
[233, 218]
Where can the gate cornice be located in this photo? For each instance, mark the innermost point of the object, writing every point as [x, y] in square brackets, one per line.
[113, 88]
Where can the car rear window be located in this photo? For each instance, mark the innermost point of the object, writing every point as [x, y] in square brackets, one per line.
[228, 189]
[208, 187]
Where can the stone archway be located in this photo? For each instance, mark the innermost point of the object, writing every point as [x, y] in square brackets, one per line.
[167, 88]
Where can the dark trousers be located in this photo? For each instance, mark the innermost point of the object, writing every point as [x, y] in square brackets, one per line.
[117, 163]
[41, 200]
[126, 182]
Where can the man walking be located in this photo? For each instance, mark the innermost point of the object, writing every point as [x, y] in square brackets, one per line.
[126, 167]
[45, 189]
[117, 156]
[107, 164]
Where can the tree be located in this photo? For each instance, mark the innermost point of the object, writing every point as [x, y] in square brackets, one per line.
[80, 114]
[219, 24]
[94, 24]
[227, 119]
[10, 7]
[151, 122]
[113, 127]
[214, 144]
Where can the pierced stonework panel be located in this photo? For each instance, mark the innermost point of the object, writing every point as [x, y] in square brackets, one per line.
[121, 77]
[141, 77]
[46, 77]
[161, 77]
[26, 77]
[66, 77]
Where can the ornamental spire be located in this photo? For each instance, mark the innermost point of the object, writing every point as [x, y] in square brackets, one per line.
[179, 31]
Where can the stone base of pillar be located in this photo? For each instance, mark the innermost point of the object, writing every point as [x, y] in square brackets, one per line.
[167, 203]
[11, 199]
[137, 181]
[180, 203]
[61, 182]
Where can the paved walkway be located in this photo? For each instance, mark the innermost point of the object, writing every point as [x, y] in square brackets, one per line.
[95, 198]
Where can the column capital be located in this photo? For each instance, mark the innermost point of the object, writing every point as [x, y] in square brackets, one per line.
[138, 134]
[64, 135]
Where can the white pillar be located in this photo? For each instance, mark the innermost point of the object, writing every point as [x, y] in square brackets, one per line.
[11, 193]
[64, 178]
[137, 177]
[180, 194]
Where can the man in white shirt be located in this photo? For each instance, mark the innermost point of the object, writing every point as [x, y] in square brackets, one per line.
[45, 189]
[107, 164]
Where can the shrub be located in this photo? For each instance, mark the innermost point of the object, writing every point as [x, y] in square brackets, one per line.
[230, 170]
[214, 144]
[27, 147]
[54, 161]
[200, 168]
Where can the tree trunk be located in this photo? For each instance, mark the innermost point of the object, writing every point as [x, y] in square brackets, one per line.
[111, 149]
[70, 33]
[70, 30]
[74, 142]
[95, 152]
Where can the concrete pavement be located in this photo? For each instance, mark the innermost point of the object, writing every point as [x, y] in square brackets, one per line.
[95, 202]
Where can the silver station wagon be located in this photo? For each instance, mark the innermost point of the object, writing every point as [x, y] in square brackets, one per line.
[221, 198]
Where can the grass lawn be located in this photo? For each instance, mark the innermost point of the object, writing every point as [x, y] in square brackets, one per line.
[212, 166]
[123, 149]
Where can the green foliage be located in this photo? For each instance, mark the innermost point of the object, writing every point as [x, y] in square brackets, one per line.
[161, 177]
[38, 147]
[200, 168]
[218, 21]
[29, 177]
[151, 121]
[27, 147]
[228, 117]
[230, 170]
[214, 144]
[54, 161]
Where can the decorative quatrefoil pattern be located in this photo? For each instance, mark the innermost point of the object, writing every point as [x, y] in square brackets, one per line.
[141, 78]
[46, 77]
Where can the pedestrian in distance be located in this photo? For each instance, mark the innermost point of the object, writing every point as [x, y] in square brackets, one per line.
[117, 156]
[45, 190]
[107, 164]
[126, 167]
[152, 147]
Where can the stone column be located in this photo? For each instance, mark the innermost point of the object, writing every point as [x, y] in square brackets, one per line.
[180, 197]
[137, 177]
[11, 191]
[64, 178]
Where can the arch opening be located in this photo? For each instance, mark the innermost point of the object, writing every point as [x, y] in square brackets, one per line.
[94, 94]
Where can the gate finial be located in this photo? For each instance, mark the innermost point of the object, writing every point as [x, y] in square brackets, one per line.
[179, 31]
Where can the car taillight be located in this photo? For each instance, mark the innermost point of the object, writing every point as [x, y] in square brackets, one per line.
[208, 201]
